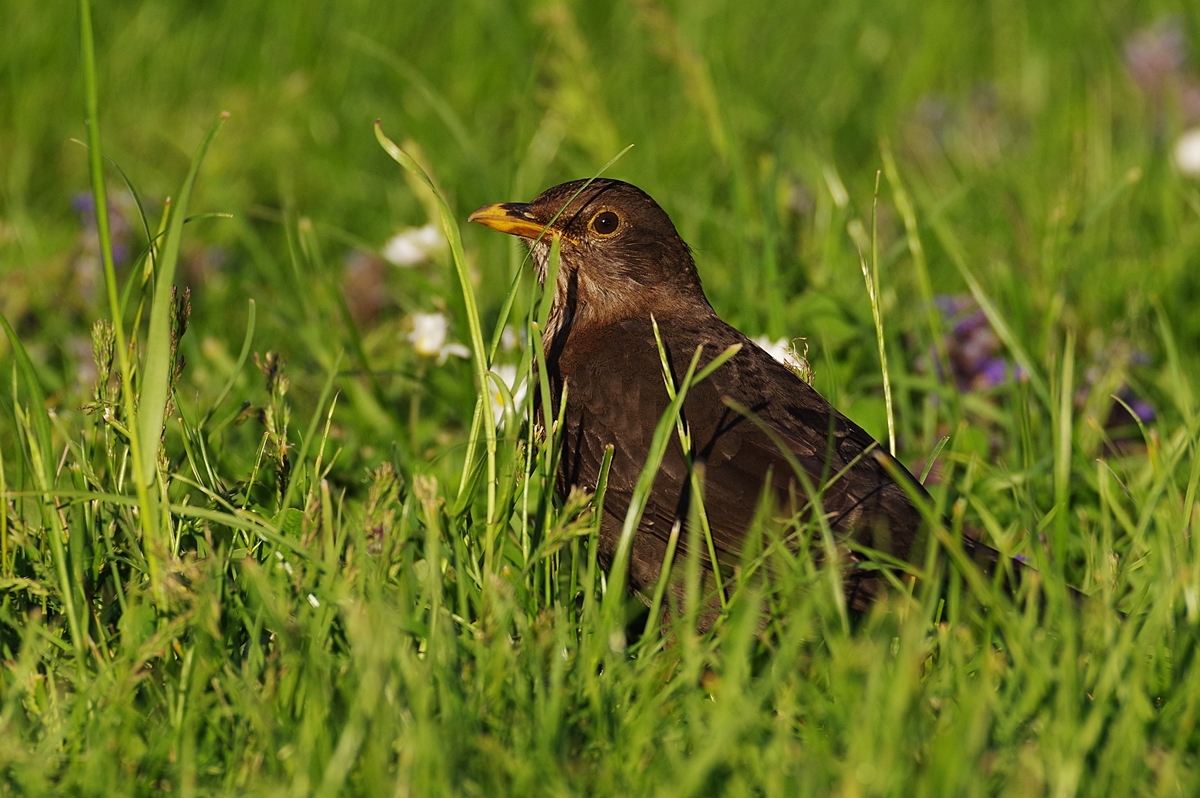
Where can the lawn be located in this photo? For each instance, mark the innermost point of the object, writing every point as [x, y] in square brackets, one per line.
[260, 535]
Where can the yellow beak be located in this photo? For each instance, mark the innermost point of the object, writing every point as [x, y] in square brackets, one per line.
[509, 217]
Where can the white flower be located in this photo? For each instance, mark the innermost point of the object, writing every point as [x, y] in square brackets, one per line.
[414, 245]
[508, 374]
[785, 352]
[1187, 153]
[428, 333]
[456, 349]
[428, 337]
[510, 339]
[776, 349]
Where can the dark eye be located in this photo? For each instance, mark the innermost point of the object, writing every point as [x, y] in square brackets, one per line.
[606, 223]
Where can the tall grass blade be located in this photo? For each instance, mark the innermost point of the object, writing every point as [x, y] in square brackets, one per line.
[916, 249]
[36, 402]
[640, 496]
[871, 278]
[36, 420]
[474, 325]
[243, 356]
[158, 365]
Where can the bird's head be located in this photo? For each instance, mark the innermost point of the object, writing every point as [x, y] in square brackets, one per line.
[619, 253]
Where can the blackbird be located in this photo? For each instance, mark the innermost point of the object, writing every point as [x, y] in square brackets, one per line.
[622, 264]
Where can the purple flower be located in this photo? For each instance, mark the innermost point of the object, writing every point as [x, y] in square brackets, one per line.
[993, 372]
[973, 348]
[1143, 410]
[950, 306]
[973, 323]
[977, 362]
[1156, 55]
[84, 205]
[1156, 60]
[121, 233]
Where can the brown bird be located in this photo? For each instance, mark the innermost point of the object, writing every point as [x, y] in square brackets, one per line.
[622, 263]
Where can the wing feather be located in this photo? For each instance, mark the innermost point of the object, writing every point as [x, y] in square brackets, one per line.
[617, 395]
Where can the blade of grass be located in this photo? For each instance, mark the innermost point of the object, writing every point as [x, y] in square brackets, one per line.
[924, 284]
[871, 278]
[933, 456]
[474, 325]
[156, 371]
[310, 434]
[237, 368]
[661, 439]
[640, 497]
[153, 396]
[695, 479]
[147, 502]
[35, 397]
[40, 450]
[813, 492]
[1181, 387]
[5, 568]
[981, 587]
[1064, 429]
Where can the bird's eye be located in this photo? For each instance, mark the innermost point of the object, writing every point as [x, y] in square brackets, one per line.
[606, 223]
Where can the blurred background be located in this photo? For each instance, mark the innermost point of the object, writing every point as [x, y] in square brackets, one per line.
[1044, 145]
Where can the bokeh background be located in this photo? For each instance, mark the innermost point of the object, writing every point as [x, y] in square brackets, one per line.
[1043, 136]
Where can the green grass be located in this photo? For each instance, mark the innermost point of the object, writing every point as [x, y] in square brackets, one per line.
[325, 575]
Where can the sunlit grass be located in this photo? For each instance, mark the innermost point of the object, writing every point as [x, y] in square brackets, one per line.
[328, 561]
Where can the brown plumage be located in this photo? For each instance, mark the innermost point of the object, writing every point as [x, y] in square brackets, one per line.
[622, 262]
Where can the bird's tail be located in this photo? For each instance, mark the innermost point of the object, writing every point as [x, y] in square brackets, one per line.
[1010, 573]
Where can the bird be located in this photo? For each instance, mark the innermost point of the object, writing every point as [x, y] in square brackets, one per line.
[752, 424]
